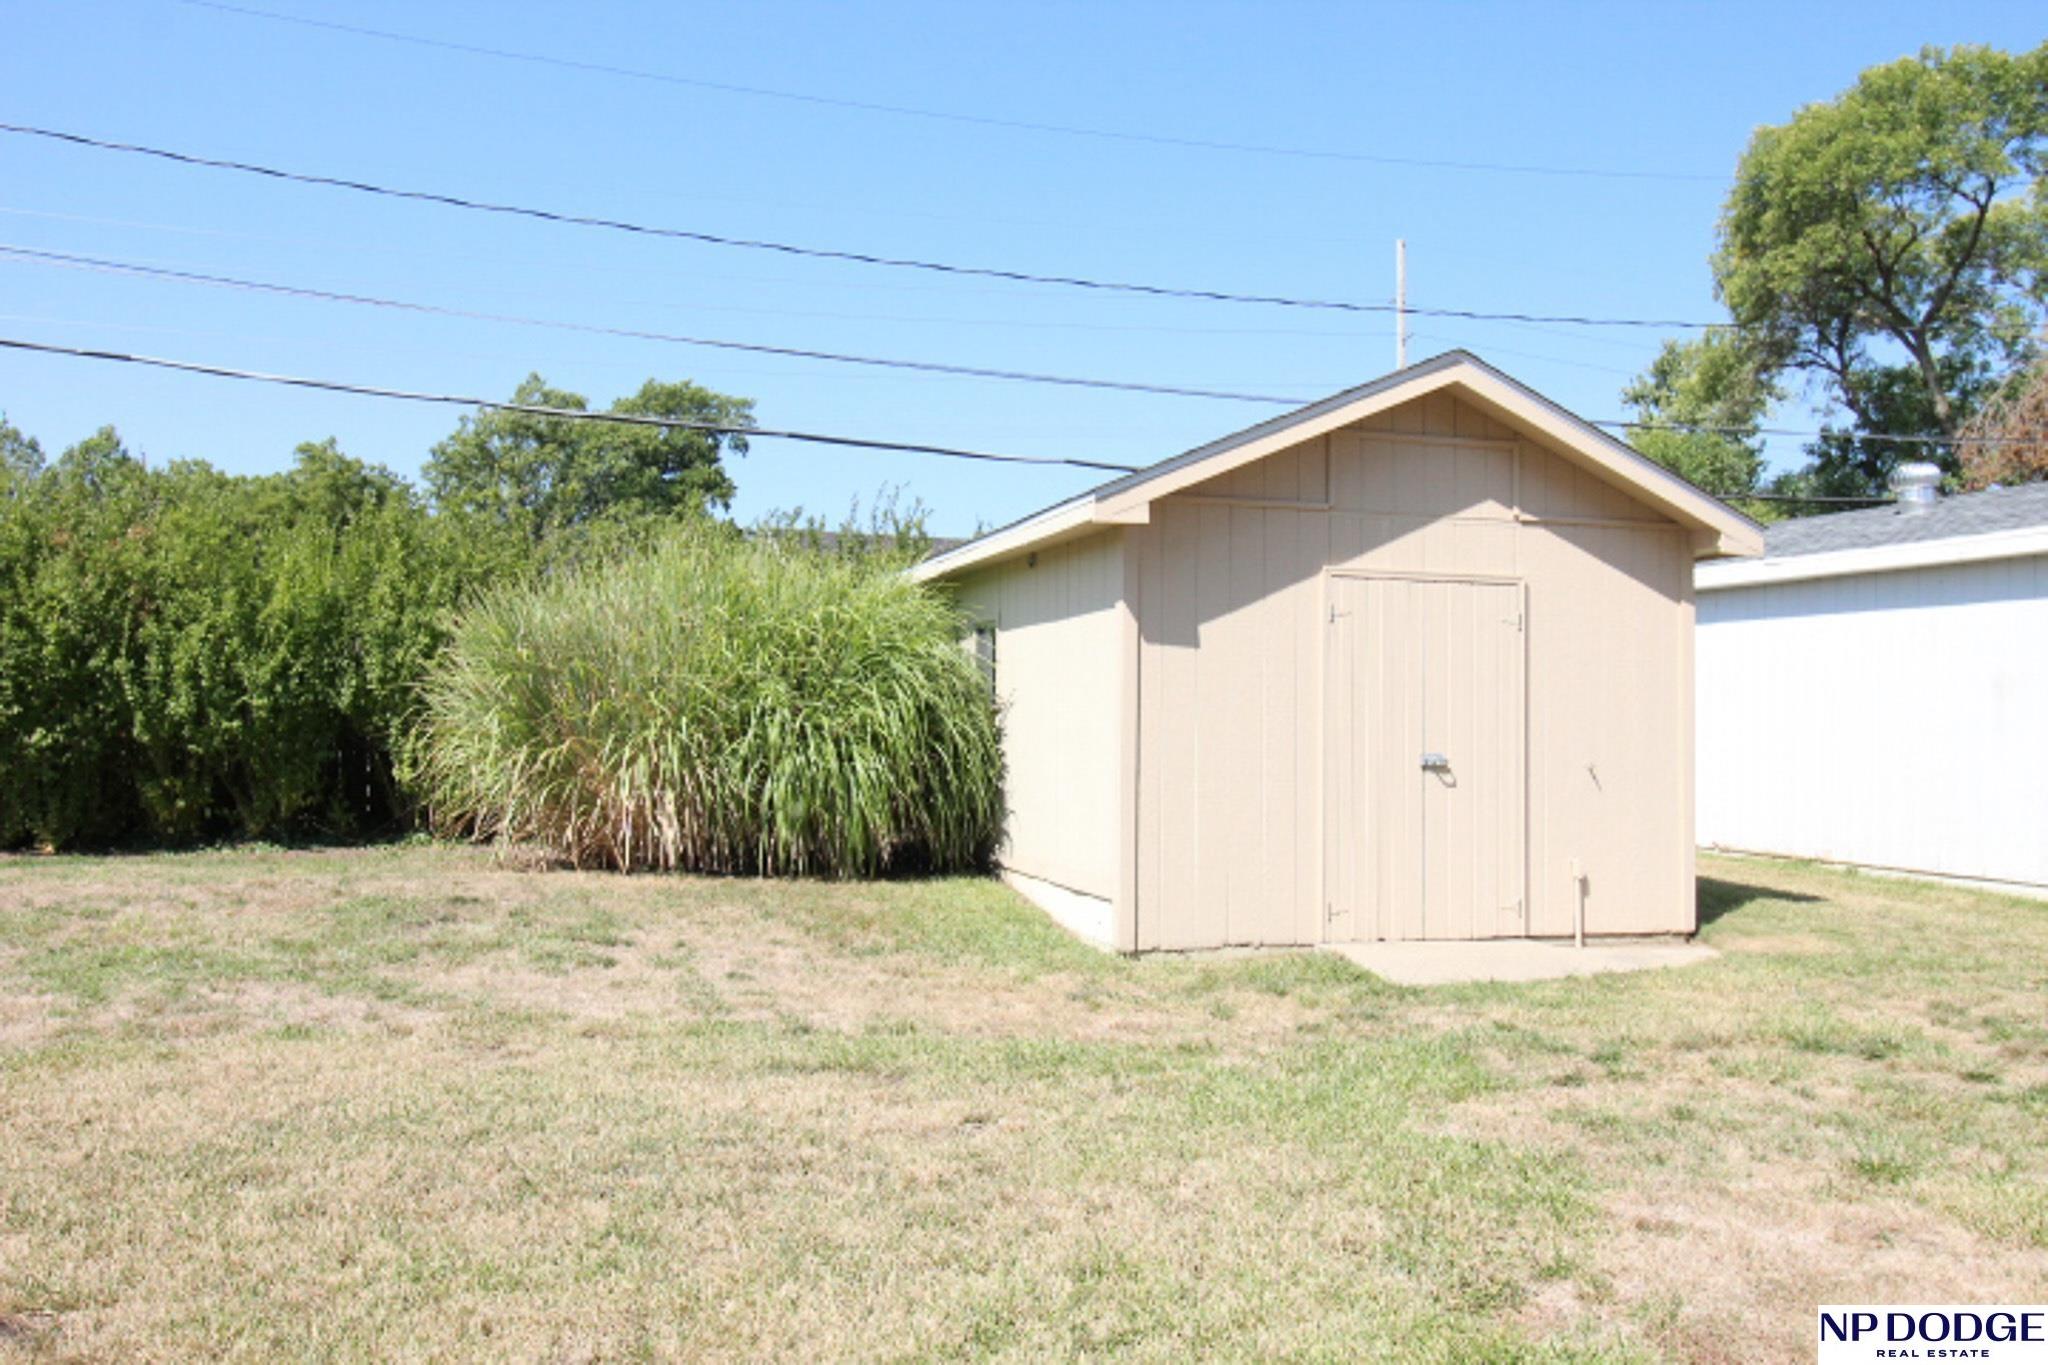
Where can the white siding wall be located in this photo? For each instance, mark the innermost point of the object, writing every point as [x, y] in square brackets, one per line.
[1891, 719]
[1060, 671]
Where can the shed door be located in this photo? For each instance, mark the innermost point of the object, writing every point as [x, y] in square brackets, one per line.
[1424, 768]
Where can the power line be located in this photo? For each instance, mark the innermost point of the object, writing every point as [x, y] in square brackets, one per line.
[943, 320]
[1744, 433]
[822, 253]
[405, 305]
[682, 424]
[1801, 497]
[941, 115]
[565, 414]
[1493, 350]
[938, 367]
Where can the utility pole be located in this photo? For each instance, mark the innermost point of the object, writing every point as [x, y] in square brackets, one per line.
[1400, 303]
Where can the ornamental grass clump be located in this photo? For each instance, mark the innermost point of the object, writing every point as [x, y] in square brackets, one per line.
[715, 704]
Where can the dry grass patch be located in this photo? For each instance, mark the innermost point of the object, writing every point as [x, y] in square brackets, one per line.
[408, 1102]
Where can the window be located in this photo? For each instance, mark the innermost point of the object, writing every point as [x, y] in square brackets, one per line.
[985, 654]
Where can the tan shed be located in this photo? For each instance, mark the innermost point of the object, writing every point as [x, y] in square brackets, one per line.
[1414, 662]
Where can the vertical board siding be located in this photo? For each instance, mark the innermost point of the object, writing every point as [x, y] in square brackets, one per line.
[1892, 719]
[1279, 703]
[1609, 728]
[1421, 665]
[1059, 680]
[1219, 703]
[1233, 637]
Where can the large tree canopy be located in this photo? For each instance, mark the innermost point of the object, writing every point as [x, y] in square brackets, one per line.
[1893, 244]
[544, 474]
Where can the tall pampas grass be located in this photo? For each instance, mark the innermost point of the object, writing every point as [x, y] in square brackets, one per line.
[716, 704]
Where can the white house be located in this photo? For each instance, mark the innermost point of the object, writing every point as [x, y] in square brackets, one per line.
[1874, 689]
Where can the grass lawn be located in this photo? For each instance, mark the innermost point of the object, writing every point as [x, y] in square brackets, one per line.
[405, 1102]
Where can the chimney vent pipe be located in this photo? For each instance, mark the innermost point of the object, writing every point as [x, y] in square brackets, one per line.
[1917, 486]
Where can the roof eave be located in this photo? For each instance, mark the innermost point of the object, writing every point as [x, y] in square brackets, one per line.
[1061, 521]
[1868, 559]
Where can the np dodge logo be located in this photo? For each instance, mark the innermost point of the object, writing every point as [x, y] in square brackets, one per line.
[2010, 1334]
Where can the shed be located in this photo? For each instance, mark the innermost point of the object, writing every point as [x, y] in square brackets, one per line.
[1413, 662]
[1874, 690]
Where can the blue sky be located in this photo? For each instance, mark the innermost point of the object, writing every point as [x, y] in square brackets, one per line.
[1666, 88]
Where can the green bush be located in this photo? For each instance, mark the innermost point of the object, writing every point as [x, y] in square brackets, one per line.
[717, 704]
[187, 654]
[72, 548]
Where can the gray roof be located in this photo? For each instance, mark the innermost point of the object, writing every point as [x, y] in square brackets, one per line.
[1963, 514]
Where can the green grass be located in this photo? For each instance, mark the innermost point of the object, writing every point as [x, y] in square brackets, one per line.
[406, 1102]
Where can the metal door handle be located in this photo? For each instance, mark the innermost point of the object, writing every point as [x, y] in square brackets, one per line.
[1435, 763]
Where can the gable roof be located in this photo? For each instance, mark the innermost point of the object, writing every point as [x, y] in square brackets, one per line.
[1127, 500]
[1998, 523]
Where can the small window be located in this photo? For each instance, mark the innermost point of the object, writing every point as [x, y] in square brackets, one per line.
[985, 654]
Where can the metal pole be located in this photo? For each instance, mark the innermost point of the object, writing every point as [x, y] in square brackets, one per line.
[1578, 904]
[1400, 303]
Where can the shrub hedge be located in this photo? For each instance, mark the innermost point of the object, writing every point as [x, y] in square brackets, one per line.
[188, 654]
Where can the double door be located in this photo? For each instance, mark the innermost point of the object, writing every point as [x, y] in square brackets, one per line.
[1426, 794]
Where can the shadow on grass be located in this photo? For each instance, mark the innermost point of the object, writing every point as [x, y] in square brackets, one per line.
[313, 842]
[1718, 897]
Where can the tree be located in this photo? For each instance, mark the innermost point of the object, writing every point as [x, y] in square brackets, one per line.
[97, 466]
[1711, 382]
[544, 474]
[326, 484]
[186, 653]
[890, 529]
[21, 458]
[2007, 442]
[1892, 244]
[1892, 400]
[74, 548]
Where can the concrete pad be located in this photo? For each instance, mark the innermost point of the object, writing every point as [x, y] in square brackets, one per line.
[1088, 918]
[1515, 959]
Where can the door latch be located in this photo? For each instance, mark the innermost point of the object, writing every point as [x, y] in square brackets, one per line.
[1435, 763]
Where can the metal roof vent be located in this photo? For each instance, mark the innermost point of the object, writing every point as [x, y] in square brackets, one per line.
[1917, 487]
